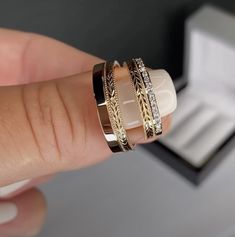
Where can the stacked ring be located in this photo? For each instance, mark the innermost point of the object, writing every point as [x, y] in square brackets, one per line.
[146, 98]
[151, 95]
[109, 114]
[98, 87]
[142, 99]
[114, 108]
[107, 100]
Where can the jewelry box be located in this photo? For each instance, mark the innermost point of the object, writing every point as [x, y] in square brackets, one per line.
[203, 127]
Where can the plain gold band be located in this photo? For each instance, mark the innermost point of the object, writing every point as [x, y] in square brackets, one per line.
[98, 87]
[106, 95]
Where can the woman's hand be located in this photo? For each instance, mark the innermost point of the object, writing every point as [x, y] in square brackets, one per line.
[46, 126]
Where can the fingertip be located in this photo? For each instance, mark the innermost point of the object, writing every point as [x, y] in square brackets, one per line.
[29, 214]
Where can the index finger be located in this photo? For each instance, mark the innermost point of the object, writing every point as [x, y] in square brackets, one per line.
[38, 58]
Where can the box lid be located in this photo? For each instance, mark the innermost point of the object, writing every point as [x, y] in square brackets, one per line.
[209, 62]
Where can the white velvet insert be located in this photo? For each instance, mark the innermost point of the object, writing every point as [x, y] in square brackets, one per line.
[198, 129]
[206, 143]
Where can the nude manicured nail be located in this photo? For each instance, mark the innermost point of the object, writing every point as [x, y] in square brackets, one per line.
[8, 212]
[163, 88]
[9, 189]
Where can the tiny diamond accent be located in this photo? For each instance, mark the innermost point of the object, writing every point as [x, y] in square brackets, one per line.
[145, 74]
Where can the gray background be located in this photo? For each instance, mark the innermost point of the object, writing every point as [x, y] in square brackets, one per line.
[134, 194]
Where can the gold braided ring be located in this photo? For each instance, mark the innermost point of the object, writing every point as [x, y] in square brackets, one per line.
[142, 98]
[114, 108]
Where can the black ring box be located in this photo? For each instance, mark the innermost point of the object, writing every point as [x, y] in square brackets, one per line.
[209, 82]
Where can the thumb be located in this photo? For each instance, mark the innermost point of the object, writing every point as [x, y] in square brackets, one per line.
[49, 127]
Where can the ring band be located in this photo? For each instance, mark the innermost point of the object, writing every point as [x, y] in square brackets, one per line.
[146, 98]
[98, 88]
[108, 107]
[107, 100]
[141, 98]
[114, 108]
[151, 96]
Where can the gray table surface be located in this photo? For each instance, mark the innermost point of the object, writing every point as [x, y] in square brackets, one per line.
[135, 195]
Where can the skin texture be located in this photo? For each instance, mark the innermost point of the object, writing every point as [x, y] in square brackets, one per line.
[46, 125]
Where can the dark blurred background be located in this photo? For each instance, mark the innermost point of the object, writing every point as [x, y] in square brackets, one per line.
[152, 29]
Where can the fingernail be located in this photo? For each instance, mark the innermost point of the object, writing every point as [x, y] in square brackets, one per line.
[9, 189]
[165, 95]
[8, 212]
[164, 90]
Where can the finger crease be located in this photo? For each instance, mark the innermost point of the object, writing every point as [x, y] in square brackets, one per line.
[67, 111]
[55, 135]
[29, 120]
